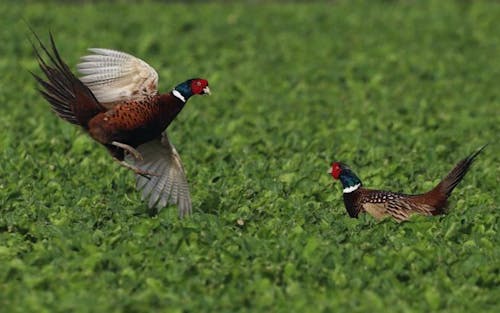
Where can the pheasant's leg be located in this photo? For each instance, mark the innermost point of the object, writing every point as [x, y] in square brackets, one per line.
[136, 170]
[136, 154]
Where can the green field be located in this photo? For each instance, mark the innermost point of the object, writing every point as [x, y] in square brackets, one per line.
[399, 90]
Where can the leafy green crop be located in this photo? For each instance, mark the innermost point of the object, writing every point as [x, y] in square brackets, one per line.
[400, 90]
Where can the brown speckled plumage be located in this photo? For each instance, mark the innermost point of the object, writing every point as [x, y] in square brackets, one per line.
[380, 204]
[135, 122]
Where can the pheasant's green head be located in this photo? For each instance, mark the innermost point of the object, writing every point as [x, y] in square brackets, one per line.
[349, 180]
[194, 86]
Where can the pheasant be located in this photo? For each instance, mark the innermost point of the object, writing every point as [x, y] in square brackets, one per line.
[381, 204]
[117, 103]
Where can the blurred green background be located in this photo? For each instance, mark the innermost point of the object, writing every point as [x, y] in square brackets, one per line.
[399, 90]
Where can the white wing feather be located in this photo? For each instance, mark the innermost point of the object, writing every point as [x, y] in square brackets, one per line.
[115, 76]
[159, 156]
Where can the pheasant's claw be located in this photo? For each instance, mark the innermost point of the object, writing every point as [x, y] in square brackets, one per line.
[136, 154]
[144, 174]
[136, 170]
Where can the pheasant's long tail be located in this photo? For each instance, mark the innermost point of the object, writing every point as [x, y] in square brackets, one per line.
[449, 183]
[69, 97]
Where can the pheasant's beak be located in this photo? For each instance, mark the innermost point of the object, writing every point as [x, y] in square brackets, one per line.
[329, 171]
[206, 91]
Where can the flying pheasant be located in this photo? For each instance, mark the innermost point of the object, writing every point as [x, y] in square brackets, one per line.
[118, 104]
[380, 204]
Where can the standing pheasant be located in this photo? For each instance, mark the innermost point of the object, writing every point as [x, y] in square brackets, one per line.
[380, 204]
[118, 104]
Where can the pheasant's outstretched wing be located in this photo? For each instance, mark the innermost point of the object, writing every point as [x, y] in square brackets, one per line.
[115, 76]
[171, 186]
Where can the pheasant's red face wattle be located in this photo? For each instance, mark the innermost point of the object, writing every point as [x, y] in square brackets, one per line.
[199, 86]
[336, 170]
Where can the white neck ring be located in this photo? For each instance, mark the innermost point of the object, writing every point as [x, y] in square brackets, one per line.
[178, 95]
[351, 188]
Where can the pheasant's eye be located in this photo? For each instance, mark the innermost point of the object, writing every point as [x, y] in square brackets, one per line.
[198, 84]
